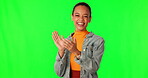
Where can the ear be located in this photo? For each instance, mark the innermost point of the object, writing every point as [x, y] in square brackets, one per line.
[90, 19]
[72, 17]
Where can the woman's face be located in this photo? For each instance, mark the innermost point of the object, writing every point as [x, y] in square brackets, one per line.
[81, 17]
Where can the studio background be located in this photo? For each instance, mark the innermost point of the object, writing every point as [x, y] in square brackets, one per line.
[27, 49]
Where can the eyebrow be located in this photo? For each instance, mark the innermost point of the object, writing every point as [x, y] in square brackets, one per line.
[85, 14]
[78, 13]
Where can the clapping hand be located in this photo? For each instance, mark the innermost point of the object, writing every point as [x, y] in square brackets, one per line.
[63, 44]
[58, 42]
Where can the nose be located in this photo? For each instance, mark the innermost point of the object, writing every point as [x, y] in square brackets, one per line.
[81, 18]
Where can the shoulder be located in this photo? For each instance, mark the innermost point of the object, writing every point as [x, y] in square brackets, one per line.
[96, 37]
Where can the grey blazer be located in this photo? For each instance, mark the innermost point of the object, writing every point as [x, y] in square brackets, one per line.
[91, 54]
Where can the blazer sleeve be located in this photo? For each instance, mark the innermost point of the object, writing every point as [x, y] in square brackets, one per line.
[92, 64]
[60, 65]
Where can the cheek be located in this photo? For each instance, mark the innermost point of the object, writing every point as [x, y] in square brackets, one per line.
[86, 20]
[75, 20]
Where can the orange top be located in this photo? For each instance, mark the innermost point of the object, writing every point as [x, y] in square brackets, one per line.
[79, 36]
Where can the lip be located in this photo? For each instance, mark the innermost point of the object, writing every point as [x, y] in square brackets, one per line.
[80, 24]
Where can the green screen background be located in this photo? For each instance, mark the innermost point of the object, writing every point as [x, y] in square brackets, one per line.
[27, 49]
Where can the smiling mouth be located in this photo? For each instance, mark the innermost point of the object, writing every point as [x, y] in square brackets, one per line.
[80, 24]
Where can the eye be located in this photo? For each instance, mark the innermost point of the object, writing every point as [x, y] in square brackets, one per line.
[86, 16]
[77, 15]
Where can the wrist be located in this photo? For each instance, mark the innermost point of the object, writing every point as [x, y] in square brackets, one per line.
[61, 53]
[60, 50]
[77, 52]
[78, 56]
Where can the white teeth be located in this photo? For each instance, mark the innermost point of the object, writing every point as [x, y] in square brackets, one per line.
[80, 23]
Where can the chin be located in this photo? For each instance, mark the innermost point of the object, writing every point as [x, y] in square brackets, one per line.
[81, 28]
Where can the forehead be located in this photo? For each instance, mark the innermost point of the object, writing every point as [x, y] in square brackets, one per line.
[81, 9]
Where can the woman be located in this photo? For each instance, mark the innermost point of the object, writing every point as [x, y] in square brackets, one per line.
[80, 54]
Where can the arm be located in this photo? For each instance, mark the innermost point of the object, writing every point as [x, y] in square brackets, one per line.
[60, 64]
[92, 64]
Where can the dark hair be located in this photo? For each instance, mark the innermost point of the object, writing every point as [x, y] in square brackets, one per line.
[83, 4]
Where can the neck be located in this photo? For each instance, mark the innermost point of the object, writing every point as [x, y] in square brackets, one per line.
[80, 30]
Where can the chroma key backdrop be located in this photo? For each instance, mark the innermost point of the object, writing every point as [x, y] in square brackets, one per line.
[28, 51]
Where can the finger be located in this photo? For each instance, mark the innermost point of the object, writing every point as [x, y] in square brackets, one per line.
[66, 42]
[62, 37]
[54, 38]
[66, 46]
[54, 32]
[69, 42]
[57, 35]
[63, 40]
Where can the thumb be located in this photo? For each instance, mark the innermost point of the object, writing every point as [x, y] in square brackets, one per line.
[62, 37]
[74, 40]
